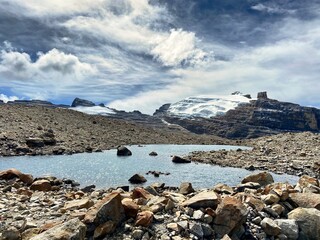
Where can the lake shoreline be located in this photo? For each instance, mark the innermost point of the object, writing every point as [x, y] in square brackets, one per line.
[256, 208]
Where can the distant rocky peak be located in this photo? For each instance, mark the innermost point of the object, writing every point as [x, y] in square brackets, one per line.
[262, 95]
[82, 102]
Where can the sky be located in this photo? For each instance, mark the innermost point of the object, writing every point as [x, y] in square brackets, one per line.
[140, 54]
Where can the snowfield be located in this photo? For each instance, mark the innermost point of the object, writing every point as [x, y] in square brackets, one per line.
[206, 106]
[96, 110]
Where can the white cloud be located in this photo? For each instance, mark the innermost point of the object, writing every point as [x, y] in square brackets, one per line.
[19, 65]
[6, 98]
[178, 47]
[271, 9]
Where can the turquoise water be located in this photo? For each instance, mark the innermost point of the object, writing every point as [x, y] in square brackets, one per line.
[106, 169]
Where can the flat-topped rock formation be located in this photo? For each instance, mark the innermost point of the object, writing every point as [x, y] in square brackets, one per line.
[259, 117]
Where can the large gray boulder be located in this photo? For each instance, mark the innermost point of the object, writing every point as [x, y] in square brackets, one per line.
[73, 229]
[82, 102]
[308, 220]
[289, 227]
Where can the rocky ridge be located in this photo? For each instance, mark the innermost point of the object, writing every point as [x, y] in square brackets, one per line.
[38, 130]
[257, 208]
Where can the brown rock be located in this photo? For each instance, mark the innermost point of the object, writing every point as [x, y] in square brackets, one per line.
[270, 227]
[29, 233]
[107, 209]
[306, 200]
[14, 173]
[186, 188]
[308, 220]
[263, 178]
[231, 214]
[73, 229]
[130, 208]
[104, 229]
[270, 198]
[223, 189]
[305, 181]
[79, 204]
[144, 219]
[202, 200]
[141, 193]
[41, 185]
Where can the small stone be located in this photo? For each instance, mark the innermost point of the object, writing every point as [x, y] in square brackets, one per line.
[144, 218]
[186, 188]
[196, 229]
[198, 215]
[153, 154]
[104, 229]
[41, 185]
[207, 218]
[174, 227]
[137, 234]
[177, 159]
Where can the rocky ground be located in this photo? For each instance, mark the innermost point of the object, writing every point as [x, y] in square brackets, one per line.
[36, 130]
[257, 208]
[291, 153]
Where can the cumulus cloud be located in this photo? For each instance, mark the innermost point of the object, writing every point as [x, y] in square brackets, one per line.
[19, 64]
[6, 98]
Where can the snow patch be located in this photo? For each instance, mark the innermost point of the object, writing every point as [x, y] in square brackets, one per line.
[96, 110]
[206, 106]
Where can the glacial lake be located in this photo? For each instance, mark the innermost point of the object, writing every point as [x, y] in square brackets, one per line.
[106, 169]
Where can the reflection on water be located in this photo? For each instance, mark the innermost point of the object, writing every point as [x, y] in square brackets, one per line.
[105, 169]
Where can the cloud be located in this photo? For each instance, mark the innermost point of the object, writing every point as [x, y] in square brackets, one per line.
[6, 98]
[288, 69]
[19, 65]
[178, 48]
[271, 9]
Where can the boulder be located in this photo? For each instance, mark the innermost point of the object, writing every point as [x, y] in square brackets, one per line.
[107, 209]
[14, 173]
[78, 204]
[289, 227]
[270, 227]
[123, 151]
[130, 208]
[82, 103]
[177, 159]
[270, 199]
[104, 229]
[41, 185]
[144, 219]
[10, 234]
[308, 220]
[141, 193]
[137, 178]
[202, 200]
[186, 188]
[231, 213]
[153, 154]
[223, 189]
[73, 229]
[306, 181]
[306, 200]
[35, 142]
[263, 178]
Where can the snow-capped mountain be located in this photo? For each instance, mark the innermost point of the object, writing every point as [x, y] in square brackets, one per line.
[206, 106]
